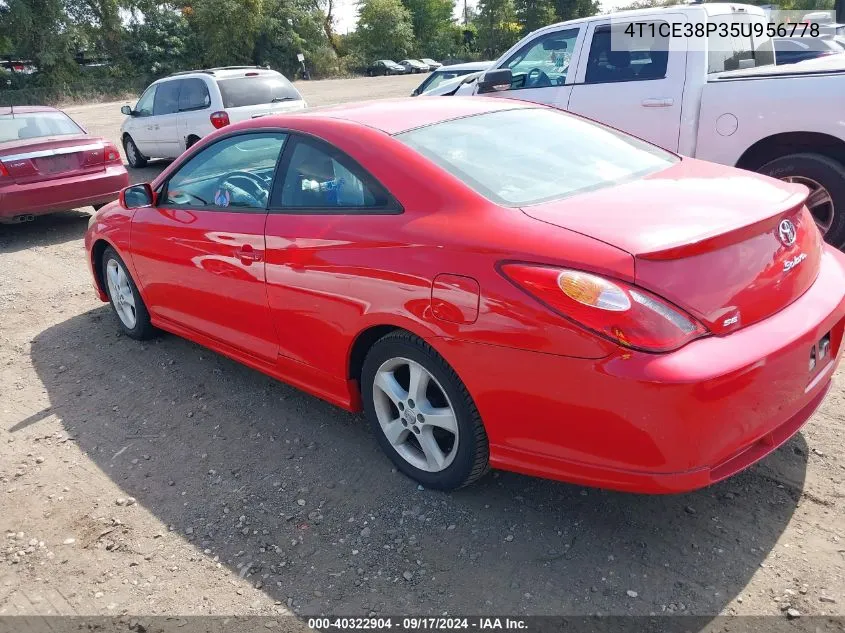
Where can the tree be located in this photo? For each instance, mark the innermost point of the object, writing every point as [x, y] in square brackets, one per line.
[498, 28]
[433, 26]
[384, 30]
[574, 9]
[228, 29]
[161, 43]
[533, 14]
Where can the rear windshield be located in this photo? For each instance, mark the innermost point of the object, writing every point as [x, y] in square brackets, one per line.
[27, 125]
[530, 155]
[247, 91]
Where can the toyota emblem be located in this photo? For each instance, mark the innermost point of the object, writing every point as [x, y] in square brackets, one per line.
[787, 233]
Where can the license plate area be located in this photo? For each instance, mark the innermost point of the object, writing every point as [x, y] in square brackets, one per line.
[57, 164]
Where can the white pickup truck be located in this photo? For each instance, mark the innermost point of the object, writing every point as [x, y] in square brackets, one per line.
[718, 99]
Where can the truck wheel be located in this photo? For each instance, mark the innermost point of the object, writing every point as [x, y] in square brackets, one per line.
[825, 178]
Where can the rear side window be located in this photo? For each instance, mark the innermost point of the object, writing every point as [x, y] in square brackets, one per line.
[737, 51]
[167, 98]
[247, 91]
[193, 95]
[35, 125]
[644, 57]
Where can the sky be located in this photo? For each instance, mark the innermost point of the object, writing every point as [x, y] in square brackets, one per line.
[347, 12]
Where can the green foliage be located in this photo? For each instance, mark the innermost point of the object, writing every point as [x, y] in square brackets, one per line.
[160, 44]
[434, 31]
[384, 30]
[533, 14]
[498, 28]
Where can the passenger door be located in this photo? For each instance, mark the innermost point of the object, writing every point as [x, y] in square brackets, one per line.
[544, 68]
[327, 218]
[194, 110]
[140, 126]
[633, 79]
[199, 252]
[165, 119]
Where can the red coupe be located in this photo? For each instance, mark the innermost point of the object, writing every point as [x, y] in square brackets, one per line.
[495, 284]
[49, 163]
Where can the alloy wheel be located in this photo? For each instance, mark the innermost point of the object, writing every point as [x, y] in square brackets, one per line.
[121, 293]
[415, 414]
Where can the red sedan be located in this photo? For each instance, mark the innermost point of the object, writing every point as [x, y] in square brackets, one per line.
[49, 163]
[495, 284]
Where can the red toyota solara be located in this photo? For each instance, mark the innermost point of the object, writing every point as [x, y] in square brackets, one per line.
[495, 284]
[49, 163]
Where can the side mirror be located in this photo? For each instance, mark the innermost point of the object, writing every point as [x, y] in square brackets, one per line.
[494, 80]
[137, 196]
[126, 110]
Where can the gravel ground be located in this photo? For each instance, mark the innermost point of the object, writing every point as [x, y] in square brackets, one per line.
[161, 478]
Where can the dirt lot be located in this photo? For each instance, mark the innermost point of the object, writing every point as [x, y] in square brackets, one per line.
[160, 478]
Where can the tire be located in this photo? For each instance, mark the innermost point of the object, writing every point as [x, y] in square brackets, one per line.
[821, 170]
[465, 454]
[133, 155]
[141, 329]
[192, 140]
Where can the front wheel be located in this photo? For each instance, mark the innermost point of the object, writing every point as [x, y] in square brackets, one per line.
[125, 299]
[422, 414]
[133, 155]
[825, 178]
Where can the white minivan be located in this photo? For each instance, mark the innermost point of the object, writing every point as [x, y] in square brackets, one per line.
[177, 111]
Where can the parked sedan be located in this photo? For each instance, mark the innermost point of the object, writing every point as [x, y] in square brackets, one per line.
[414, 66]
[432, 65]
[789, 50]
[385, 67]
[569, 305]
[49, 163]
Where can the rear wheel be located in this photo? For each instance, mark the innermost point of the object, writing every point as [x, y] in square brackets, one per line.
[825, 178]
[191, 141]
[422, 414]
[125, 299]
[133, 155]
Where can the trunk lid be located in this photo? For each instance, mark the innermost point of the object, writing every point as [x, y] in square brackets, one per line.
[47, 158]
[728, 246]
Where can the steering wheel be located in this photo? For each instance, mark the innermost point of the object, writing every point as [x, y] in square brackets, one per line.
[255, 185]
[538, 79]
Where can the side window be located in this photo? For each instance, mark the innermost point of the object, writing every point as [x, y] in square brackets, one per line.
[617, 56]
[319, 177]
[144, 107]
[167, 98]
[235, 172]
[193, 95]
[736, 51]
[543, 62]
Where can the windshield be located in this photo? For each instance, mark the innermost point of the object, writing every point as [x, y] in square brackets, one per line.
[257, 90]
[28, 125]
[530, 155]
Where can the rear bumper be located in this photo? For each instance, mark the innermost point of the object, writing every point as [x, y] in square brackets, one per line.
[659, 423]
[61, 194]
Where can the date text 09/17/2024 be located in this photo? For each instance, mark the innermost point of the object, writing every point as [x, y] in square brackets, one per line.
[414, 623]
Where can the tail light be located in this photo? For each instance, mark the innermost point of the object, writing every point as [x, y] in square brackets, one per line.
[220, 119]
[111, 154]
[4, 173]
[621, 312]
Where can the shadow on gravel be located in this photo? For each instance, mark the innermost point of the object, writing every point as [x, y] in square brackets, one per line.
[295, 495]
[44, 230]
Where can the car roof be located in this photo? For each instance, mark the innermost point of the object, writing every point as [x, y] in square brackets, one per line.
[225, 72]
[466, 66]
[394, 116]
[27, 109]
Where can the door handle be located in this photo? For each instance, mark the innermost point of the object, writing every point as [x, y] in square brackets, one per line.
[247, 254]
[658, 103]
